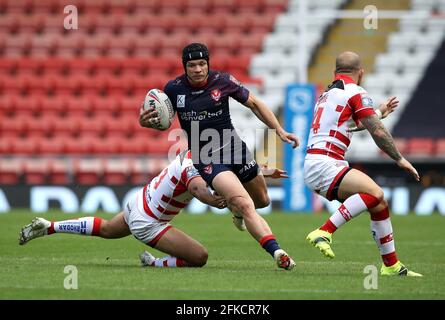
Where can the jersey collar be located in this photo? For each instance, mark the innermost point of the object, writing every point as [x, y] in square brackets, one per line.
[346, 79]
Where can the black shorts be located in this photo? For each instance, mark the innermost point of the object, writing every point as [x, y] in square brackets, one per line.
[238, 160]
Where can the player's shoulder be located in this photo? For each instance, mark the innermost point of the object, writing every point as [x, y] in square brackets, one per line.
[175, 83]
[223, 76]
[352, 89]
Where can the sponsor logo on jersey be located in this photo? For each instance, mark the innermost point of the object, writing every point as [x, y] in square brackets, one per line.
[180, 102]
[198, 92]
[195, 116]
[191, 172]
[247, 166]
[367, 101]
[208, 169]
[216, 94]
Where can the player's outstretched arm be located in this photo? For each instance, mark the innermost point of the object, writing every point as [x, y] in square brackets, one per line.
[384, 110]
[385, 142]
[198, 188]
[263, 113]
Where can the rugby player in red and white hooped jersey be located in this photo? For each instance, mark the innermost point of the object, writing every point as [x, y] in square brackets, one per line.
[327, 173]
[147, 216]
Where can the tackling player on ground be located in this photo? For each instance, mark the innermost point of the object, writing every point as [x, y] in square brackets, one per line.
[327, 173]
[147, 216]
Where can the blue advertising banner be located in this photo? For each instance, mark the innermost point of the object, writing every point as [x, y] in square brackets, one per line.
[299, 106]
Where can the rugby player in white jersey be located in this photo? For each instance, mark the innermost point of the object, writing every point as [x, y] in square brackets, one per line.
[327, 173]
[148, 214]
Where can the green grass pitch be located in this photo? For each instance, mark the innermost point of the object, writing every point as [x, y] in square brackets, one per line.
[238, 268]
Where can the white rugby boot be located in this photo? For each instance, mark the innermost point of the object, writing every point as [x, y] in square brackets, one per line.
[283, 260]
[147, 259]
[37, 228]
[238, 221]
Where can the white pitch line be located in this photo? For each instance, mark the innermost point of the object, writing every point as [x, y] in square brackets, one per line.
[231, 290]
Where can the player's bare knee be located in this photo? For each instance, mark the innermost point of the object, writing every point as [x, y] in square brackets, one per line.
[378, 193]
[241, 204]
[262, 202]
[200, 258]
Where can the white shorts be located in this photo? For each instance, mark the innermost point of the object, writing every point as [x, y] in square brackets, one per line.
[143, 227]
[322, 174]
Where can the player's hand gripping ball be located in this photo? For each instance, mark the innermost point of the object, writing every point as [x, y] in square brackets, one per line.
[156, 99]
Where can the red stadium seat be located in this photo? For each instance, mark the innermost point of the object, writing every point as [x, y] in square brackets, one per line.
[55, 66]
[91, 127]
[66, 127]
[11, 171]
[26, 146]
[134, 24]
[39, 126]
[150, 44]
[104, 146]
[25, 106]
[130, 106]
[36, 171]
[198, 7]
[108, 66]
[29, 65]
[122, 46]
[237, 24]
[136, 146]
[53, 106]
[8, 65]
[116, 171]
[249, 7]
[141, 172]
[81, 66]
[52, 146]
[88, 171]
[79, 107]
[60, 172]
[173, 44]
[263, 23]
[224, 6]
[440, 147]
[79, 146]
[15, 126]
[135, 66]
[6, 143]
[172, 6]
[423, 147]
[164, 23]
[105, 107]
[119, 127]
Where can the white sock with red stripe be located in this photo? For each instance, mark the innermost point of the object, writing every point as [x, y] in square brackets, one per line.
[351, 207]
[168, 262]
[82, 226]
[382, 233]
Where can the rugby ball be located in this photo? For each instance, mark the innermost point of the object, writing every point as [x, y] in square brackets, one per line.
[158, 100]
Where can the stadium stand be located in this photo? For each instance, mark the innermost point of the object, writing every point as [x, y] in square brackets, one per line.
[68, 97]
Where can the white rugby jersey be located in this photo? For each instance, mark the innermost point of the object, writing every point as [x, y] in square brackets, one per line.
[167, 193]
[341, 104]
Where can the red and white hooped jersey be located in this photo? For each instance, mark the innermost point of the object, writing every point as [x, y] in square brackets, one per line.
[341, 104]
[167, 193]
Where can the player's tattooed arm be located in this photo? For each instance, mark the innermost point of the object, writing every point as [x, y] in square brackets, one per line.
[381, 136]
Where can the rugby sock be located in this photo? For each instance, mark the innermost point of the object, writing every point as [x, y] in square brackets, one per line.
[168, 262]
[382, 233]
[83, 226]
[351, 207]
[270, 244]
